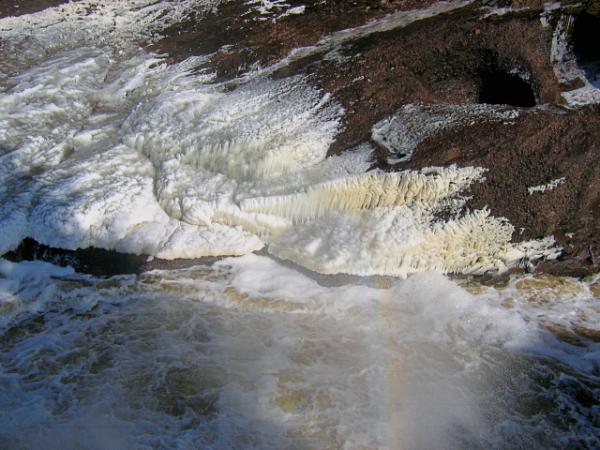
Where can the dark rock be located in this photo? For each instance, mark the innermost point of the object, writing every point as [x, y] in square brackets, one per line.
[395, 68]
[98, 261]
[586, 36]
[250, 41]
[93, 261]
[540, 146]
[20, 7]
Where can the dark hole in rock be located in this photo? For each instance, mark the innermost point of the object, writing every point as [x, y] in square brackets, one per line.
[502, 88]
[586, 44]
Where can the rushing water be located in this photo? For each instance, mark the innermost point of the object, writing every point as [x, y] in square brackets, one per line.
[103, 144]
[250, 353]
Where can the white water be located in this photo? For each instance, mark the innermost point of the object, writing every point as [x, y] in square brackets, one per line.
[102, 144]
[252, 354]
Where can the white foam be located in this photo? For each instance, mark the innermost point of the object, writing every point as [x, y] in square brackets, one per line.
[110, 147]
[368, 191]
[402, 241]
[250, 350]
[26, 289]
[260, 131]
[252, 353]
[113, 206]
[586, 95]
[493, 11]
[118, 26]
[274, 9]
[76, 185]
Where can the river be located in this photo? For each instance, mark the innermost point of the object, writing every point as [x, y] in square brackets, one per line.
[325, 322]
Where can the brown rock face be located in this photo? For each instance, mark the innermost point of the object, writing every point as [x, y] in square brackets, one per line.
[462, 55]
[470, 60]
[249, 39]
[538, 148]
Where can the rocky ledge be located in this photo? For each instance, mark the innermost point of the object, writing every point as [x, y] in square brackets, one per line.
[510, 86]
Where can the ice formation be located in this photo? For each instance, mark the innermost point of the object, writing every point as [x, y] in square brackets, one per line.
[111, 147]
[401, 133]
[116, 26]
[567, 70]
[547, 186]
[274, 9]
[367, 191]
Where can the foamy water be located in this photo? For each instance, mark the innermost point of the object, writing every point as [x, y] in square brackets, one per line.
[249, 353]
[103, 144]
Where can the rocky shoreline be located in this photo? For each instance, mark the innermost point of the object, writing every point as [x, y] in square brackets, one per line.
[540, 142]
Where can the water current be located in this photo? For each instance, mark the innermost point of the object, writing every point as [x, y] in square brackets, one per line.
[313, 337]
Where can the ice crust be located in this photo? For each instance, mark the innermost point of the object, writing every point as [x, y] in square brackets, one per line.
[117, 26]
[551, 185]
[110, 147]
[274, 9]
[401, 133]
[567, 69]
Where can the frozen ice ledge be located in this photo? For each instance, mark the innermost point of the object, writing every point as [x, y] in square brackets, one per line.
[108, 147]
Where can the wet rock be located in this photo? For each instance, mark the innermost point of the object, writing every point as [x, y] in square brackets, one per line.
[97, 261]
[91, 260]
[466, 59]
[401, 133]
[463, 49]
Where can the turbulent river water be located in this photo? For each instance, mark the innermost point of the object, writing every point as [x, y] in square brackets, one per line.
[313, 337]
